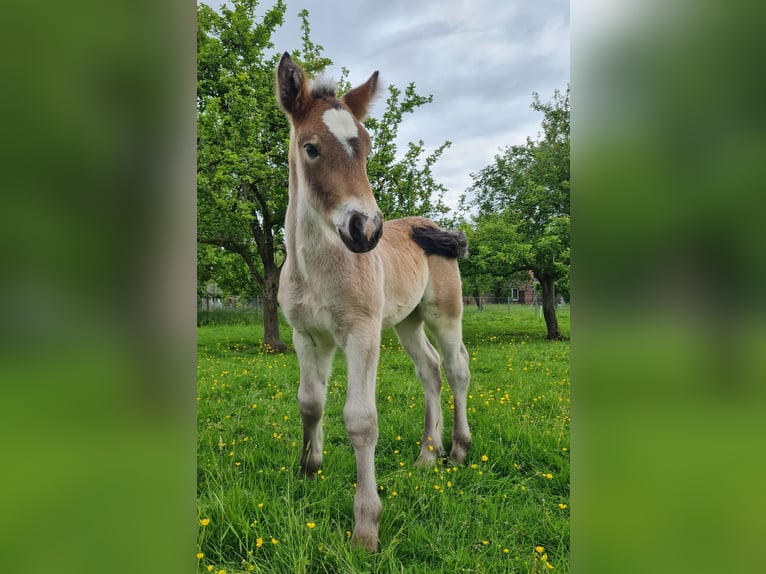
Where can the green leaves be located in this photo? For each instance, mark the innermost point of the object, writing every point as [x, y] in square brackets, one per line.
[523, 208]
[526, 190]
[404, 186]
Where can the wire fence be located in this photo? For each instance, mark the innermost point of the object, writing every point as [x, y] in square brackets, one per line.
[229, 310]
[234, 310]
[535, 304]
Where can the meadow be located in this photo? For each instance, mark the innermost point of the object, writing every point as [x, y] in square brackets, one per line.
[505, 510]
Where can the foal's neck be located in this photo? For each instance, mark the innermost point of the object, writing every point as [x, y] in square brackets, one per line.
[314, 246]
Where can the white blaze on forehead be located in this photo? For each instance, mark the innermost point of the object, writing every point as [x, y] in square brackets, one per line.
[342, 125]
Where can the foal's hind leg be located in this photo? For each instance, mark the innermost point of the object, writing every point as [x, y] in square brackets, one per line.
[448, 334]
[315, 359]
[426, 359]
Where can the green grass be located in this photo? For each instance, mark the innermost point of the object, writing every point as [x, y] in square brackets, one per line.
[486, 516]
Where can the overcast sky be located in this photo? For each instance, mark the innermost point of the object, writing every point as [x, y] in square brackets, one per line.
[480, 59]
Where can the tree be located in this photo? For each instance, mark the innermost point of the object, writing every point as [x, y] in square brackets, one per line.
[242, 141]
[526, 192]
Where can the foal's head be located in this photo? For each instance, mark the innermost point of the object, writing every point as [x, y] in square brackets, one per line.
[328, 153]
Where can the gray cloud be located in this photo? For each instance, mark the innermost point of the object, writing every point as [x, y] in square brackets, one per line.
[481, 60]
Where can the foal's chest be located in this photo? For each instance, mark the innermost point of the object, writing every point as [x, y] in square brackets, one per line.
[304, 305]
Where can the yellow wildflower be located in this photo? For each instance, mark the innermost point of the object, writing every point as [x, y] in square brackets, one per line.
[204, 521]
[259, 542]
[200, 555]
[484, 458]
[539, 549]
[310, 525]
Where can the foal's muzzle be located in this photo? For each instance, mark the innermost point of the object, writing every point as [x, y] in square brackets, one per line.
[361, 233]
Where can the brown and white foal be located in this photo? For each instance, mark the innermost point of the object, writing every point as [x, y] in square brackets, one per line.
[348, 275]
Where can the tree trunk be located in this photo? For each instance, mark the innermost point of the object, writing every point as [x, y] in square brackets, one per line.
[549, 308]
[271, 339]
[476, 295]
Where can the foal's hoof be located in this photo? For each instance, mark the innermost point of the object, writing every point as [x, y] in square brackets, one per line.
[459, 451]
[429, 456]
[425, 461]
[368, 542]
[308, 469]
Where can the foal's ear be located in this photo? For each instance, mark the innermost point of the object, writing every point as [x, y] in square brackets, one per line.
[358, 99]
[292, 86]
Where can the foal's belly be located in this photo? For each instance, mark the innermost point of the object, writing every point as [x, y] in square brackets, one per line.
[394, 312]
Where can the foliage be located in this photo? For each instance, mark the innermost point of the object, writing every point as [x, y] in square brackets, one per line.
[493, 252]
[489, 515]
[403, 186]
[524, 210]
[224, 268]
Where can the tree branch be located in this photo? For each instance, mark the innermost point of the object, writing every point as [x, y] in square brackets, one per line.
[237, 249]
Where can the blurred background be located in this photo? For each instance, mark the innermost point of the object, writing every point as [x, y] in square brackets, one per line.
[97, 363]
[667, 270]
[97, 352]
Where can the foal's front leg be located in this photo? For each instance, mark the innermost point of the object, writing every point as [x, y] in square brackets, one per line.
[315, 355]
[361, 417]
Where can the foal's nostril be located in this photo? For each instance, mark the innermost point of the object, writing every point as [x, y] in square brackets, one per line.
[378, 226]
[356, 228]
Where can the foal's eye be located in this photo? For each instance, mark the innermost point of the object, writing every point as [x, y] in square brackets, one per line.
[311, 151]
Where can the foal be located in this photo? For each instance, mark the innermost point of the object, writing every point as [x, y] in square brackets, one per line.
[348, 275]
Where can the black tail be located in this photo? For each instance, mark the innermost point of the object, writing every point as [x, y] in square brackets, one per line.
[435, 241]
